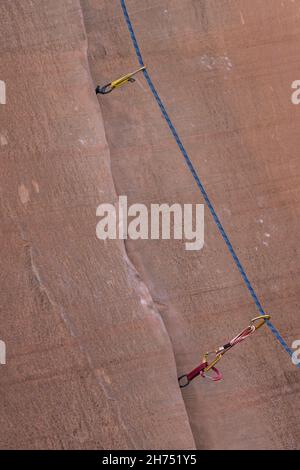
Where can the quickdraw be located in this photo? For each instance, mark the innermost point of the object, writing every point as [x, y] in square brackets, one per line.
[207, 366]
[117, 83]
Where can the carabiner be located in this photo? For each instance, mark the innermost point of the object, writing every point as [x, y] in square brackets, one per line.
[104, 90]
[261, 321]
[214, 362]
[117, 83]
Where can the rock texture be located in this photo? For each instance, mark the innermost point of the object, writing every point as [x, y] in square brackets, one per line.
[89, 362]
[96, 332]
[224, 70]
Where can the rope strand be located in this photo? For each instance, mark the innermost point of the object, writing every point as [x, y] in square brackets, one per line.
[190, 165]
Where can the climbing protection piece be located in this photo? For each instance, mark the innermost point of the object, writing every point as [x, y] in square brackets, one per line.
[119, 82]
[206, 366]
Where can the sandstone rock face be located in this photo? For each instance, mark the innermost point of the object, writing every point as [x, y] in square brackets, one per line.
[224, 71]
[96, 332]
[89, 361]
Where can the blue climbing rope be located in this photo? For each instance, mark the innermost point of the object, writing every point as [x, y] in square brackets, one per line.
[199, 184]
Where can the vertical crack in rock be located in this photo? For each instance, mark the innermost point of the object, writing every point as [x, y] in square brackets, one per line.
[137, 282]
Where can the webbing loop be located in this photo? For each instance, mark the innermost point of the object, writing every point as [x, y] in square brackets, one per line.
[206, 366]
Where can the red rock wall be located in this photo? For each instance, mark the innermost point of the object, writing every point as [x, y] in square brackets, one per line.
[224, 70]
[96, 332]
[88, 364]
